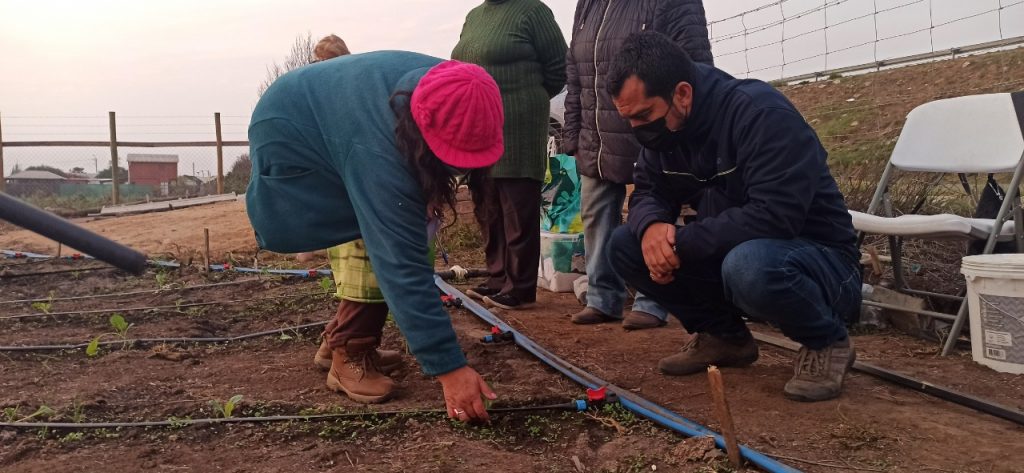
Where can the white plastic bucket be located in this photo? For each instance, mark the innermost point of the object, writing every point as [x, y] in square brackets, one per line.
[995, 295]
[555, 272]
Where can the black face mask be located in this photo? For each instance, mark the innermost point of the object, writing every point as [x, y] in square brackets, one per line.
[656, 135]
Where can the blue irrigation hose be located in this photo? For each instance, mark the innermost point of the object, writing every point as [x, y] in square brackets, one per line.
[628, 399]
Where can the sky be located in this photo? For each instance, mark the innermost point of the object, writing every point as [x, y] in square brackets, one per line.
[166, 67]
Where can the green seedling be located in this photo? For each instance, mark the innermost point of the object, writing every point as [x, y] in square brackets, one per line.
[44, 307]
[120, 326]
[10, 414]
[93, 348]
[326, 284]
[227, 409]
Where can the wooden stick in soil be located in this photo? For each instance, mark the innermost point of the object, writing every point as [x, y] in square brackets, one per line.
[724, 416]
[206, 250]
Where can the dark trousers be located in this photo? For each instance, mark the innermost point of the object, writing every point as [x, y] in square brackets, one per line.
[356, 320]
[809, 290]
[510, 224]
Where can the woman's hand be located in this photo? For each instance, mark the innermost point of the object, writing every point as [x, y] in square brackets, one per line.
[463, 389]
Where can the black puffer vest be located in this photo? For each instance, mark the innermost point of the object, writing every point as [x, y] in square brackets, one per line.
[602, 141]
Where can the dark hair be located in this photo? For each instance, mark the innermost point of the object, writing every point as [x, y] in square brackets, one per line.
[657, 61]
[436, 180]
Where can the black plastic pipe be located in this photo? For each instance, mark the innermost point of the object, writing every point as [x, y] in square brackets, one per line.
[941, 392]
[56, 228]
[577, 405]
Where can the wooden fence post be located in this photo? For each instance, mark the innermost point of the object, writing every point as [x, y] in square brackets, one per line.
[113, 159]
[2, 178]
[220, 154]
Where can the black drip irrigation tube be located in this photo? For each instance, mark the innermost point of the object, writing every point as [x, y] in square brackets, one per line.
[941, 392]
[577, 405]
[628, 399]
[9, 275]
[36, 315]
[167, 290]
[157, 341]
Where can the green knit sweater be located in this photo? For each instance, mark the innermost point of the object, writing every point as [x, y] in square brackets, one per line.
[519, 43]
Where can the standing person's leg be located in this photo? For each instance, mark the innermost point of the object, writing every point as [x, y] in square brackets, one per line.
[490, 217]
[601, 212]
[520, 207]
[810, 291]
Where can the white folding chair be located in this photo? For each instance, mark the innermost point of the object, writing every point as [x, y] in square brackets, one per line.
[979, 134]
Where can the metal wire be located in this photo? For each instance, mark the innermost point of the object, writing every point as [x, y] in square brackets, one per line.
[747, 29]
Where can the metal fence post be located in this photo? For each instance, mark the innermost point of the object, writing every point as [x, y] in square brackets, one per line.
[113, 159]
[2, 178]
[220, 154]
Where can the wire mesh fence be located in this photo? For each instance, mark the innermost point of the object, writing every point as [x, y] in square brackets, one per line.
[66, 163]
[802, 39]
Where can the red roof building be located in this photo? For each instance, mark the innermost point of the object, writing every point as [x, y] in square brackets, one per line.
[152, 169]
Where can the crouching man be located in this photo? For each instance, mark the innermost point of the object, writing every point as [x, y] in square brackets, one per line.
[772, 238]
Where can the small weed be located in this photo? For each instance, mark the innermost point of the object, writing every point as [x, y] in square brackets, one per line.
[541, 428]
[620, 414]
[10, 414]
[72, 437]
[226, 409]
[44, 412]
[77, 412]
[179, 422]
[161, 279]
[634, 464]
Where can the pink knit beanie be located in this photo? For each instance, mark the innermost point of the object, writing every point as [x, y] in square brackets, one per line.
[457, 107]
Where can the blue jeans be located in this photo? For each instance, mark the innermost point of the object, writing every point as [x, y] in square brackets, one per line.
[601, 210]
[807, 289]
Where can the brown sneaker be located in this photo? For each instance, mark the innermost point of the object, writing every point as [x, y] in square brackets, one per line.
[590, 316]
[704, 350]
[636, 320]
[387, 360]
[818, 374]
[354, 371]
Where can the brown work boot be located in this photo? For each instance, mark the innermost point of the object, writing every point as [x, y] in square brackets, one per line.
[818, 374]
[636, 320]
[704, 350]
[354, 371]
[387, 360]
[590, 316]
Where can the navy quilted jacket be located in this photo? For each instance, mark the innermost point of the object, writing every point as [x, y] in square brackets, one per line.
[751, 167]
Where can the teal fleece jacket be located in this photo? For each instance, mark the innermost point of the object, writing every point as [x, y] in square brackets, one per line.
[327, 170]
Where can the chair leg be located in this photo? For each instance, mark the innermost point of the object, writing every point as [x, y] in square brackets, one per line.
[954, 331]
[896, 251]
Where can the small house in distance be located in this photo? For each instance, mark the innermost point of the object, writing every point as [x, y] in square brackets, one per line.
[26, 183]
[152, 169]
